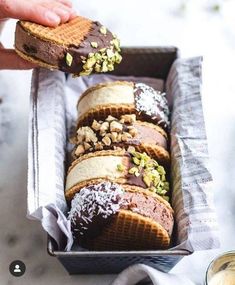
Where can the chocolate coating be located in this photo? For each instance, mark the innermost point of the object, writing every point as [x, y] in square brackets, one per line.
[95, 206]
[92, 207]
[151, 104]
[55, 54]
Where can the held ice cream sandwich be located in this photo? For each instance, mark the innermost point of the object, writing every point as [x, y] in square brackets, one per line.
[107, 216]
[79, 46]
[122, 97]
[113, 133]
[119, 166]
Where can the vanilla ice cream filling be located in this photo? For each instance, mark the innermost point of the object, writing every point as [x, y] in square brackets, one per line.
[93, 168]
[113, 94]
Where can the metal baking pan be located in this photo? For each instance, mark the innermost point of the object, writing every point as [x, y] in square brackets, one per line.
[149, 62]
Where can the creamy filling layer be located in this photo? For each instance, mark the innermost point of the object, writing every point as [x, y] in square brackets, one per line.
[94, 168]
[113, 94]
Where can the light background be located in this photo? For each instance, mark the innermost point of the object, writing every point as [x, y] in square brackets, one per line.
[197, 28]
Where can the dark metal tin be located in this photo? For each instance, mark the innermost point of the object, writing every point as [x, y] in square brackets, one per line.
[137, 61]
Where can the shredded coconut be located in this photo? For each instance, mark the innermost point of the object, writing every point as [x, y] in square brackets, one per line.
[101, 200]
[152, 103]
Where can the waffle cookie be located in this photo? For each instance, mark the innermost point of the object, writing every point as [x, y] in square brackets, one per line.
[127, 131]
[119, 166]
[122, 97]
[79, 46]
[107, 216]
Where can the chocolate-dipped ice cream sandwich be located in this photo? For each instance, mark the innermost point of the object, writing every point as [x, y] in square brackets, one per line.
[79, 46]
[121, 97]
[124, 132]
[119, 166]
[107, 216]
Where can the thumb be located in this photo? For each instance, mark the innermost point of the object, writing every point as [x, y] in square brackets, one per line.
[9, 59]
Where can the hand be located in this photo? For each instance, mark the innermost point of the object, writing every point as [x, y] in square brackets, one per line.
[45, 12]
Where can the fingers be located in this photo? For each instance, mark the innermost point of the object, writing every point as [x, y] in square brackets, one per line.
[10, 60]
[49, 13]
[64, 12]
[66, 3]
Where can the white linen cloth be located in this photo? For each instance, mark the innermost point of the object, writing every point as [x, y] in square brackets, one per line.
[134, 274]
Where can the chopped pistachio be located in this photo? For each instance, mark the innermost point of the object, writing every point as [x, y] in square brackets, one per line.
[133, 170]
[94, 44]
[85, 72]
[102, 50]
[97, 67]
[116, 44]
[120, 167]
[89, 64]
[142, 163]
[103, 30]
[110, 67]
[147, 180]
[110, 53]
[104, 67]
[130, 149]
[91, 54]
[161, 169]
[136, 160]
[156, 181]
[118, 57]
[98, 56]
[103, 60]
[153, 173]
[69, 59]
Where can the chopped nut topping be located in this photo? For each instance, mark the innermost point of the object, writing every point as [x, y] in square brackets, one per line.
[153, 173]
[86, 134]
[94, 44]
[133, 131]
[110, 118]
[126, 136]
[103, 30]
[114, 136]
[79, 150]
[129, 119]
[104, 127]
[87, 146]
[69, 59]
[95, 125]
[106, 140]
[119, 137]
[98, 146]
[116, 127]
[130, 149]
[120, 167]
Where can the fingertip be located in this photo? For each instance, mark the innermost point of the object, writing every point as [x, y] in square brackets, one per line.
[63, 14]
[52, 18]
[73, 15]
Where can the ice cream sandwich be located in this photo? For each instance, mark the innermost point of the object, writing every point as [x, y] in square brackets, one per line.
[107, 216]
[122, 97]
[113, 133]
[79, 46]
[118, 166]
